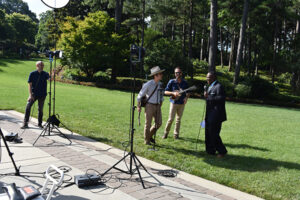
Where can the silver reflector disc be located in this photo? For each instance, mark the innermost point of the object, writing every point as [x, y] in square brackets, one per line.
[55, 3]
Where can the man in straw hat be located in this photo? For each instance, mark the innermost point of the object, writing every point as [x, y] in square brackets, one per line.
[153, 92]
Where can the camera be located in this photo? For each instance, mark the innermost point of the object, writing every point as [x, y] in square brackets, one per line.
[52, 54]
[137, 53]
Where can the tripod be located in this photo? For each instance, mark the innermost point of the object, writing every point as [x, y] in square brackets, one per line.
[17, 173]
[133, 158]
[52, 122]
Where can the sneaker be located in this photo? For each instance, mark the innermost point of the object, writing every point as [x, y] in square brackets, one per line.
[41, 126]
[24, 126]
[176, 137]
[165, 136]
[221, 155]
[152, 140]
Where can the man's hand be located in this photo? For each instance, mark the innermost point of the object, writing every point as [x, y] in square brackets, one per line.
[205, 94]
[185, 100]
[139, 108]
[30, 98]
[175, 94]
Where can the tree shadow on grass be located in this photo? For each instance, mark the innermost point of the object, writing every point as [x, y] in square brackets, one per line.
[235, 162]
[250, 164]
[235, 146]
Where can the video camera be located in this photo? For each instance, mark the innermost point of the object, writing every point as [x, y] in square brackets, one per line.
[137, 53]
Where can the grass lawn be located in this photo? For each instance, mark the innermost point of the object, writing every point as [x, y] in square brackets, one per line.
[263, 142]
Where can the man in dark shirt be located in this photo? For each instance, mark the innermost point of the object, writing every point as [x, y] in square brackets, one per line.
[215, 116]
[37, 82]
[176, 106]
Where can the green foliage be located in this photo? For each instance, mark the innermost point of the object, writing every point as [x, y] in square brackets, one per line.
[44, 39]
[243, 91]
[199, 65]
[284, 77]
[92, 45]
[259, 88]
[166, 54]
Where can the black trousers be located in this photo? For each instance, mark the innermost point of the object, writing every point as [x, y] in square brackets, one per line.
[213, 141]
[41, 101]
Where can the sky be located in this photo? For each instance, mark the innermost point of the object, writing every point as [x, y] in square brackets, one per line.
[37, 6]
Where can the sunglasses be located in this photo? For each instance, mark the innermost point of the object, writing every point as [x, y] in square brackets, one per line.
[178, 72]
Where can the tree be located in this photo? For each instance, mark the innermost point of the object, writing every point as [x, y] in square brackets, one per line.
[213, 36]
[44, 39]
[241, 43]
[18, 6]
[92, 44]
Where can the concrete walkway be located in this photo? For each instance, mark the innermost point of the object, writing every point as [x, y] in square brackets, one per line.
[84, 154]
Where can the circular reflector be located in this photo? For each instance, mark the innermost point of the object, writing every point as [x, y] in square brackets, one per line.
[55, 3]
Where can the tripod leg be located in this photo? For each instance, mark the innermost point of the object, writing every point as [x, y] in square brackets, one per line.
[17, 173]
[140, 163]
[42, 133]
[114, 166]
[62, 134]
[137, 168]
[66, 128]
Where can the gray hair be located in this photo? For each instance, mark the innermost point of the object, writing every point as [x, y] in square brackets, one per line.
[38, 63]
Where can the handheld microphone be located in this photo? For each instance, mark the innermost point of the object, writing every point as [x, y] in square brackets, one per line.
[205, 88]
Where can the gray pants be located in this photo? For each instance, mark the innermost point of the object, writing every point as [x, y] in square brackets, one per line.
[41, 101]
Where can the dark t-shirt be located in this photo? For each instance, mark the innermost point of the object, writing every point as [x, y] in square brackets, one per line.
[173, 85]
[39, 83]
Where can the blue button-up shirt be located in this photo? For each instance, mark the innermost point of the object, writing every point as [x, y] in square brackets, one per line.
[173, 86]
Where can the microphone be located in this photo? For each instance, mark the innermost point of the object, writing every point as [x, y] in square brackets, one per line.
[205, 88]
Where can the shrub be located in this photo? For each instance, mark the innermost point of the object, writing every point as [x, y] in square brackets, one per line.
[285, 78]
[243, 91]
[260, 88]
[199, 65]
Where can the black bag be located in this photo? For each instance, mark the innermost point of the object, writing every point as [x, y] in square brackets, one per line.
[145, 100]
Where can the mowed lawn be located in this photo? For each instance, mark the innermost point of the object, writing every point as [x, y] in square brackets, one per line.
[263, 141]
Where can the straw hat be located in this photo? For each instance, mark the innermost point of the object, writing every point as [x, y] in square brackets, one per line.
[156, 70]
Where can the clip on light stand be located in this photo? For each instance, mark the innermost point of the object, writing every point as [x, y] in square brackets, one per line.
[133, 158]
[17, 173]
[53, 122]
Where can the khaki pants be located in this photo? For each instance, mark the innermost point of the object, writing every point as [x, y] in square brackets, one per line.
[175, 109]
[152, 111]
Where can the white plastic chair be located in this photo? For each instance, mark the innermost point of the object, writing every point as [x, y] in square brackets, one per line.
[54, 182]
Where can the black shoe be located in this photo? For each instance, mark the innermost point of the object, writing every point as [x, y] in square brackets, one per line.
[25, 126]
[41, 126]
[152, 140]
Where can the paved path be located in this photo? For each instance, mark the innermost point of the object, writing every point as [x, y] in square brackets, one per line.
[84, 154]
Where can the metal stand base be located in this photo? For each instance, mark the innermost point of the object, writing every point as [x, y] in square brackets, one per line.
[49, 128]
[130, 171]
[17, 173]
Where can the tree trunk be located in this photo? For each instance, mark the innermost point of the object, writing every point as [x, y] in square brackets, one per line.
[118, 17]
[213, 36]
[232, 52]
[183, 38]
[143, 36]
[191, 39]
[222, 47]
[173, 31]
[201, 48]
[241, 42]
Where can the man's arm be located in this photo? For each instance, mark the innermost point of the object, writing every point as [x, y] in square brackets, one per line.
[141, 94]
[220, 95]
[30, 98]
[169, 92]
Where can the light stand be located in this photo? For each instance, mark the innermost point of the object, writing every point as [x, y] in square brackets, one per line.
[53, 122]
[133, 158]
[17, 173]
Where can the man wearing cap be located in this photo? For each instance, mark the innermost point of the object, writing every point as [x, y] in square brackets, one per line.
[153, 92]
[176, 106]
[37, 84]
